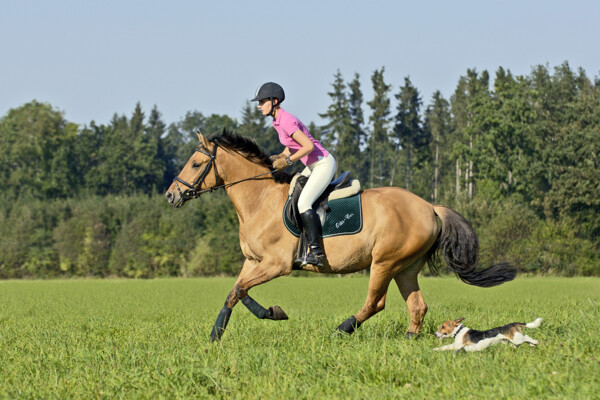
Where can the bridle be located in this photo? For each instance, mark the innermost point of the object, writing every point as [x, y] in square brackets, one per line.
[194, 190]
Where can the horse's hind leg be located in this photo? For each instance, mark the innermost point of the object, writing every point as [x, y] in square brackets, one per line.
[409, 288]
[378, 286]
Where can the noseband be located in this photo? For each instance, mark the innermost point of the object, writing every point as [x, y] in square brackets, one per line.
[194, 190]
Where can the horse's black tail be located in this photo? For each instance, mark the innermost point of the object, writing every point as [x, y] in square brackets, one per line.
[458, 244]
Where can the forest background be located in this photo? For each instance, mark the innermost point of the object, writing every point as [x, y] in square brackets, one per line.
[517, 155]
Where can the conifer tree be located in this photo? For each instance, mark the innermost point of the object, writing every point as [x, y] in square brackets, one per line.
[468, 99]
[143, 162]
[136, 123]
[337, 117]
[378, 139]
[408, 133]
[174, 144]
[565, 164]
[503, 151]
[437, 123]
[358, 160]
[88, 144]
[111, 174]
[155, 130]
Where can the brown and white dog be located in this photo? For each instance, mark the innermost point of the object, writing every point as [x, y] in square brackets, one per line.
[472, 340]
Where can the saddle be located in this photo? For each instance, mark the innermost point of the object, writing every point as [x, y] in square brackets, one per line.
[339, 188]
[344, 217]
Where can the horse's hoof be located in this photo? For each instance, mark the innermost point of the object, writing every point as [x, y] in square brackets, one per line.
[276, 313]
[412, 335]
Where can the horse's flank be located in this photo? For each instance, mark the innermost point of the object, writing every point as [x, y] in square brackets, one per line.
[258, 204]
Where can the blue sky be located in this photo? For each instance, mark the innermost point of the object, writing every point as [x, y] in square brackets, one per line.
[94, 59]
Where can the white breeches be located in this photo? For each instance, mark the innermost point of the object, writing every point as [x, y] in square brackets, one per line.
[319, 175]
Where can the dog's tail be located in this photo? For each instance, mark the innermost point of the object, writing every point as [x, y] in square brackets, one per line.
[534, 324]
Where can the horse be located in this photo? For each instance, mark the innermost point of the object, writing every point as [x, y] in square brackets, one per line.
[400, 233]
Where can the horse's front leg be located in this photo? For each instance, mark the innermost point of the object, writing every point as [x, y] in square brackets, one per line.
[223, 318]
[253, 274]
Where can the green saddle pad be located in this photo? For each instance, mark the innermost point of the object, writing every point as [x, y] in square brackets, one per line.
[344, 218]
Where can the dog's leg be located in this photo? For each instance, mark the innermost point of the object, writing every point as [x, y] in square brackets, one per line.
[520, 338]
[532, 342]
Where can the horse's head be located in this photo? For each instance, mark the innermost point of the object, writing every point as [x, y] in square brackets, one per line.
[196, 176]
[200, 173]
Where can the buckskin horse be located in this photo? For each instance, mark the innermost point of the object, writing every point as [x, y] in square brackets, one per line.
[400, 233]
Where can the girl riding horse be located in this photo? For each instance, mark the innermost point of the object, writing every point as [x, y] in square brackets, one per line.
[299, 145]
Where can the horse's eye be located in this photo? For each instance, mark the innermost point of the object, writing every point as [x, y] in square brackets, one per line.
[195, 165]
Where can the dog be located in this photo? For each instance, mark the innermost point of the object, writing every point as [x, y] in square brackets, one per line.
[472, 340]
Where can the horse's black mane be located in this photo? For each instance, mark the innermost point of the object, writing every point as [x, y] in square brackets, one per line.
[249, 149]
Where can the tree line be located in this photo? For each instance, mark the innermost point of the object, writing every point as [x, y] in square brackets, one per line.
[517, 156]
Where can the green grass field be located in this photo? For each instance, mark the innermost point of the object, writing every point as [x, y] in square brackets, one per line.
[149, 339]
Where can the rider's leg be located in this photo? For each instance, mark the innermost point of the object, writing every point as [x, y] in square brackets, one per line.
[312, 226]
[321, 173]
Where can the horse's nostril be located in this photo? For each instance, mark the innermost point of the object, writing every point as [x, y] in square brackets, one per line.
[169, 196]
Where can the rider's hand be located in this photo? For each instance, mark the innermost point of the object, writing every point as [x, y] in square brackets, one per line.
[279, 161]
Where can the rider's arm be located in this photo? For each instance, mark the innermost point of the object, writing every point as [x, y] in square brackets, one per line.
[305, 142]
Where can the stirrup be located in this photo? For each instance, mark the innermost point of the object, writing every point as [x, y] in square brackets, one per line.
[312, 259]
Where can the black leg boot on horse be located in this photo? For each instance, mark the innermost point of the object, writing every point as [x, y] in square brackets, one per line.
[312, 226]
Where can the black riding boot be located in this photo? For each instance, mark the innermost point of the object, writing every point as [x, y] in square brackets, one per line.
[312, 226]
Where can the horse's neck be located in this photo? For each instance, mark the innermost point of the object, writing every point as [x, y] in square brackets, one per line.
[254, 197]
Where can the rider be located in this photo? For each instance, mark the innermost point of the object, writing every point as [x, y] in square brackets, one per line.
[299, 145]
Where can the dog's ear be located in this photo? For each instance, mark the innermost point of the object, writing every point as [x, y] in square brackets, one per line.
[460, 319]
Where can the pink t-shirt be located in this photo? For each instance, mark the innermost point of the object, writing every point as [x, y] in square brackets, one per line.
[286, 124]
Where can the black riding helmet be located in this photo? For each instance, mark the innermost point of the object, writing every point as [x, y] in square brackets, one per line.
[269, 90]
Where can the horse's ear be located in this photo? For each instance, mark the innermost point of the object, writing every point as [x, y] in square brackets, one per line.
[203, 140]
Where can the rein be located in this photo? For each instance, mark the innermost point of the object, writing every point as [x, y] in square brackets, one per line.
[193, 192]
